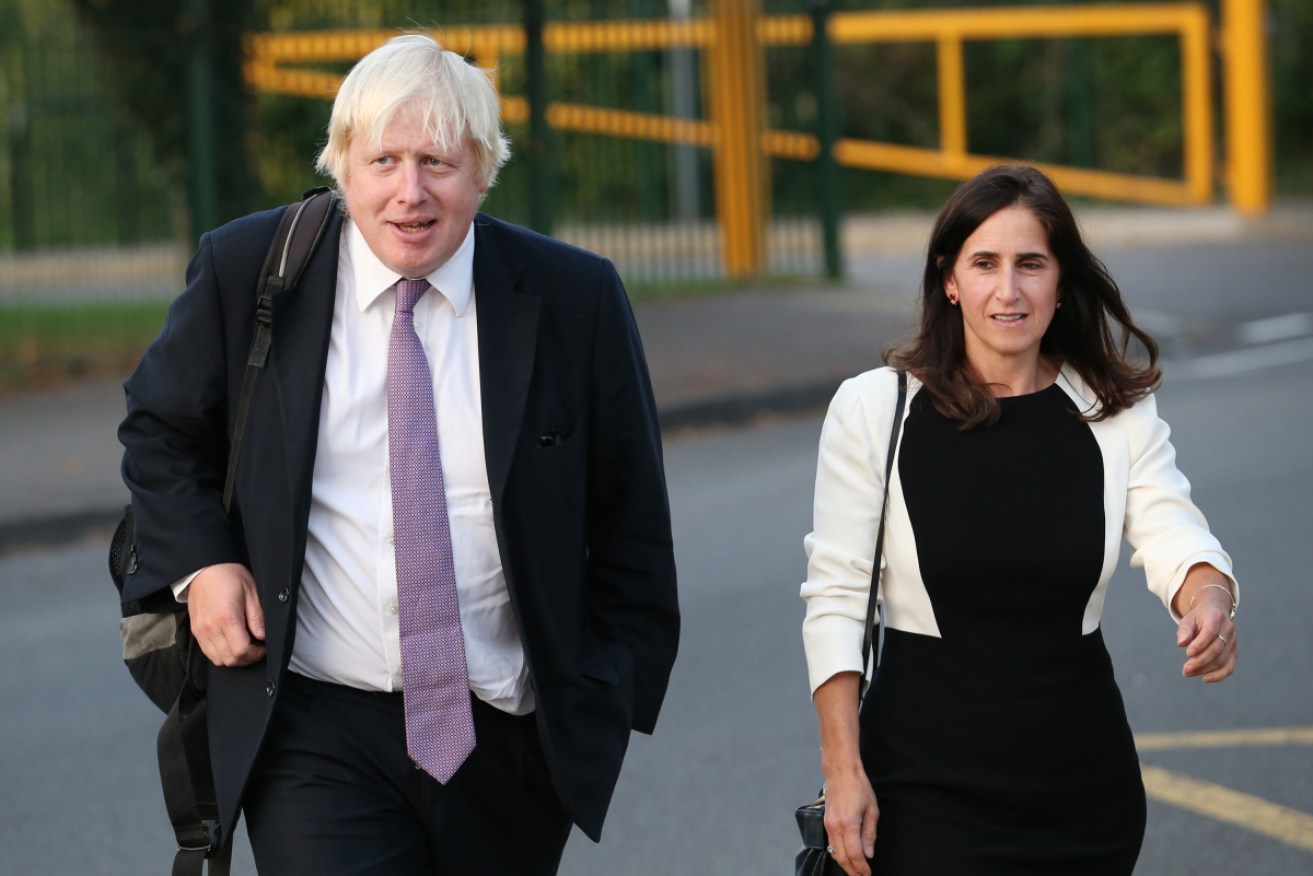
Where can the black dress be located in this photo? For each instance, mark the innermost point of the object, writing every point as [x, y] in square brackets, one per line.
[1003, 747]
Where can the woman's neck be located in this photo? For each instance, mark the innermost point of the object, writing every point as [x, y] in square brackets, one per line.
[1012, 377]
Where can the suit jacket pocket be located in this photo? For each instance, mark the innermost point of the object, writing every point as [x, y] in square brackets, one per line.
[599, 667]
[555, 437]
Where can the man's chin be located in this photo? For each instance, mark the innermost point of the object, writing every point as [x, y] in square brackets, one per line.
[412, 265]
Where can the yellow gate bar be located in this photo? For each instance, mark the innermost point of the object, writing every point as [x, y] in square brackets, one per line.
[1007, 23]
[737, 89]
[1197, 107]
[736, 93]
[1248, 117]
[952, 96]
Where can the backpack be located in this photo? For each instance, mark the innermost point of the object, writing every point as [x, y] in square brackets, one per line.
[158, 648]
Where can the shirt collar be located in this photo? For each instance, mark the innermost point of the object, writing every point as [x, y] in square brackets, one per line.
[454, 279]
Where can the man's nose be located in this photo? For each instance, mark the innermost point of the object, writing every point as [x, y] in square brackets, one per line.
[410, 183]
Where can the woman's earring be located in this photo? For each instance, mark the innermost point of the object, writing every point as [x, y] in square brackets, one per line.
[952, 299]
[1059, 307]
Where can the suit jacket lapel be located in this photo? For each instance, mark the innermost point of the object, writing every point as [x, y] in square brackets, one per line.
[508, 332]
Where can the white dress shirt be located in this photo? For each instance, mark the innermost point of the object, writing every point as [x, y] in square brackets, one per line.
[346, 619]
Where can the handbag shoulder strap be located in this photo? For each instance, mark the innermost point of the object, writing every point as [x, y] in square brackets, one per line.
[868, 633]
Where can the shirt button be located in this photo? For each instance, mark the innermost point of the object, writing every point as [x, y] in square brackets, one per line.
[392, 608]
[392, 539]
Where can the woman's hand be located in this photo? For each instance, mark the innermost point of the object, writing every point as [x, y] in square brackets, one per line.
[1206, 631]
[850, 810]
[850, 816]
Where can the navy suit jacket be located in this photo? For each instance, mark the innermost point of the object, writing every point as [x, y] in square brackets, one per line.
[582, 521]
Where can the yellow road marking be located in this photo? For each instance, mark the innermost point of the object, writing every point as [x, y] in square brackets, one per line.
[1225, 738]
[1281, 823]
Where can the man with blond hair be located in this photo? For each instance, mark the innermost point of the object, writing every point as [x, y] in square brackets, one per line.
[445, 593]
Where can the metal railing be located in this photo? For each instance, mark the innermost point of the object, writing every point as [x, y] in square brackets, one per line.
[733, 40]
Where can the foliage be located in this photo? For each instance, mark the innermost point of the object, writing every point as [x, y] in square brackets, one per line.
[151, 45]
[1291, 33]
[72, 170]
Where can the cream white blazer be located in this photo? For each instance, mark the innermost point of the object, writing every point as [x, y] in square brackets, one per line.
[1146, 500]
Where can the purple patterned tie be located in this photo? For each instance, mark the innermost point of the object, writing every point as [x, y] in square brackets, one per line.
[439, 726]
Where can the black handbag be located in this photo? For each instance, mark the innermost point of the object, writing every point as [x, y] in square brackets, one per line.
[814, 859]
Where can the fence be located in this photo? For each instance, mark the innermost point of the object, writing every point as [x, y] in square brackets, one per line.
[688, 140]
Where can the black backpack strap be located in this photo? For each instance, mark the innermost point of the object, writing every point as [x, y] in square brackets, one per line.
[299, 232]
[184, 758]
[183, 745]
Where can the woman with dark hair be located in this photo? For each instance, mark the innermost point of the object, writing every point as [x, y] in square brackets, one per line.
[992, 738]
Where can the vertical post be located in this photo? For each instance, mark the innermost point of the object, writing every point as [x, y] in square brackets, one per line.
[201, 133]
[1248, 106]
[737, 106]
[686, 191]
[125, 188]
[952, 97]
[827, 170]
[537, 153]
[22, 203]
[650, 155]
[1197, 103]
[1080, 108]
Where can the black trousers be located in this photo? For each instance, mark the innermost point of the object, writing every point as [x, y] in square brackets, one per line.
[334, 793]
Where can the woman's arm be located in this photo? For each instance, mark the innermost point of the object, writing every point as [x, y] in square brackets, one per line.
[1167, 532]
[840, 566]
[850, 808]
[1183, 562]
[845, 518]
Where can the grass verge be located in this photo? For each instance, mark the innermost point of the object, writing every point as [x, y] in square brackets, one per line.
[41, 344]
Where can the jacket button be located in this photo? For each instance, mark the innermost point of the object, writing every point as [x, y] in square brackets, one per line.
[269, 689]
[284, 595]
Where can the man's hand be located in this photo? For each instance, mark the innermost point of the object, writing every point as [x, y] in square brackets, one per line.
[226, 617]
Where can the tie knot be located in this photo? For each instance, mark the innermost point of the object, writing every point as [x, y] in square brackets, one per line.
[408, 292]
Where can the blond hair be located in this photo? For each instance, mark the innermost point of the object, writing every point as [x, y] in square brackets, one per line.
[457, 99]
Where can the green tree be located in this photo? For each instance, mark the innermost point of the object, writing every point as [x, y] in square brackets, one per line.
[1291, 33]
[153, 47]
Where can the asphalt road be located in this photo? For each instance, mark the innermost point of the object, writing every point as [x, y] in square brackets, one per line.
[713, 791]
[736, 750]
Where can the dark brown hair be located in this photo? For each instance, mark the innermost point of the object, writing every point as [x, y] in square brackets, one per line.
[1081, 333]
